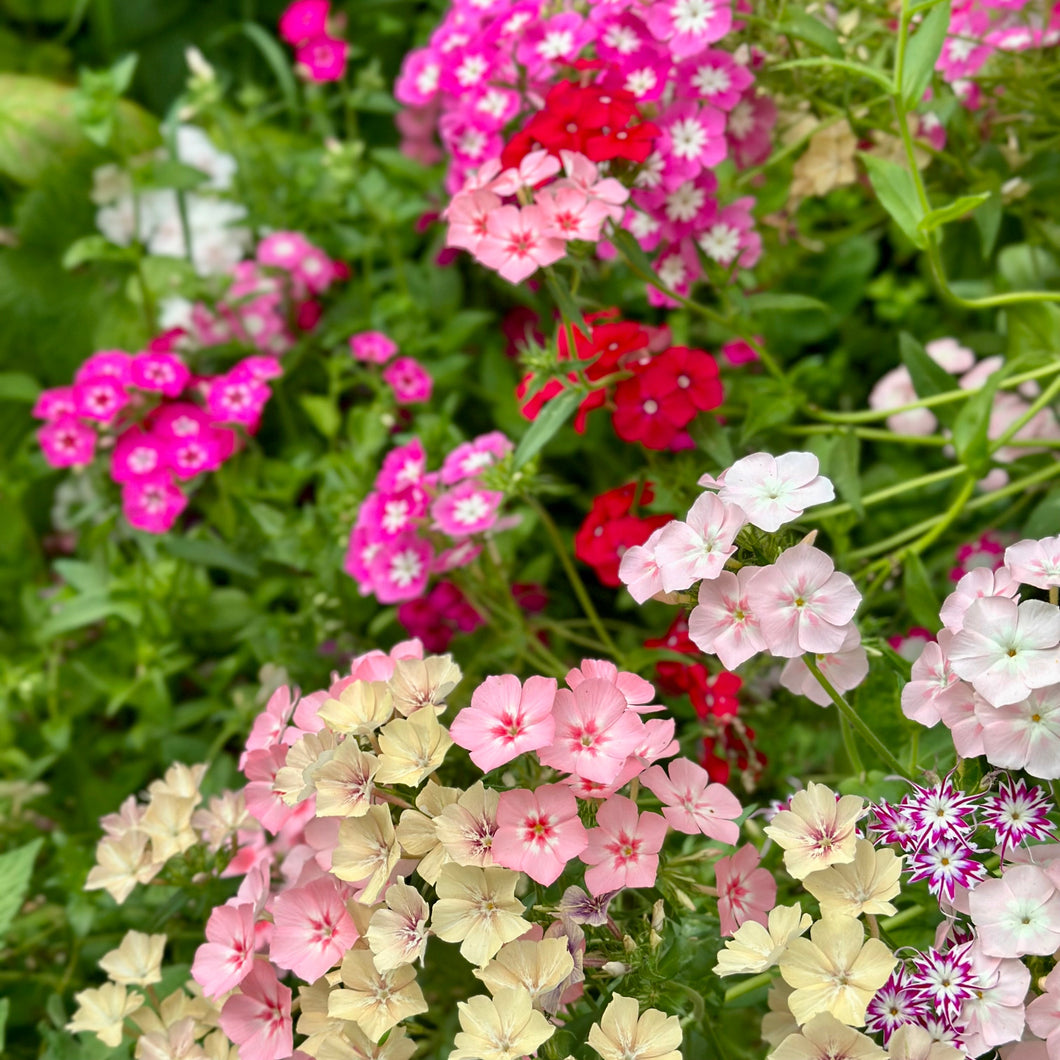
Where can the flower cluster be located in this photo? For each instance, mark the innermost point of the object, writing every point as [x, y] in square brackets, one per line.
[319, 55]
[164, 426]
[416, 523]
[410, 382]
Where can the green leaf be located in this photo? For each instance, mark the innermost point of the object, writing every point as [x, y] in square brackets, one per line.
[209, 553]
[567, 306]
[276, 58]
[96, 248]
[16, 868]
[922, 53]
[18, 386]
[988, 221]
[167, 173]
[843, 469]
[782, 302]
[971, 424]
[958, 208]
[773, 404]
[322, 411]
[86, 610]
[5, 1008]
[839, 64]
[919, 593]
[929, 377]
[896, 190]
[1045, 518]
[549, 420]
[631, 250]
[806, 27]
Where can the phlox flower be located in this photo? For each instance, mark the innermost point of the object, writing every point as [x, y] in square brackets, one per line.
[322, 58]
[465, 509]
[688, 26]
[111, 364]
[312, 929]
[697, 549]
[722, 623]
[755, 947]
[639, 568]
[1035, 562]
[411, 748]
[817, 830]
[537, 966]
[931, 677]
[538, 831]
[367, 852]
[638, 692]
[343, 784]
[122, 862]
[948, 864]
[137, 961]
[67, 442]
[516, 244]
[1043, 1013]
[715, 77]
[303, 19]
[864, 885]
[103, 1010]
[825, 1038]
[974, 585]
[623, 1033]
[692, 138]
[623, 849]
[995, 1013]
[375, 1000]
[372, 347]
[410, 381]
[944, 981]
[468, 215]
[802, 603]
[505, 1027]
[398, 934]
[470, 459]
[584, 175]
[152, 503]
[162, 372]
[1017, 914]
[418, 834]
[100, 398]
[359, 707]
[402, 467]
[54, 402]
[258, 1018]
[417, 683]
[401, 568]
[477, 908]
[693, 805]
[1018, 812]
[468, 826]
[571, 214]
[844, 669]
[745, 891]
[894, 1005]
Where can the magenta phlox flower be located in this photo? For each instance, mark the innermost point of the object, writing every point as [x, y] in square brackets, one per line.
[942, 811]
[225, 959]
[304, 19]
[696, 549]
[410, 381]
[372, 347]
[715, 77]
[948, 864]
[402, 467]
[995, 1014]
[975, 585]
[688, 26]
[538, 831]
[624, 848]
[400, 570]
[894, 1004]
[1017, 914]
[67, 442]
[237, 399]
[895, 823]
[506, 719]
[1035, 563]
[691, 803]
[745, 891]
[53, 403]
[470, 459]
[516, 244]
[638, 692]
[258, 1019]
[723, 623]
[165, 373]
[1018, 812]
[467, 508]
[113, 364]
[944, 981]
[692, 139]
[322, 58]
[152, 502]
[100, 398]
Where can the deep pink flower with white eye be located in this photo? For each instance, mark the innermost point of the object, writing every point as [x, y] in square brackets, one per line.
[304, 19]
[322, 58]
[515, 244]
[409, 380]
[571, 214]
[468, 215]
[595, 731]
[1024, 735]
[178, 419]
[402, 467]
[1017, 914]
[677, 268]
[137, 454]
[258, 1018]
[723, 622]
[470, 459]
[100, 398]
[748, 128]
[236, 400]
[691, 803]
[372, 347]
[745, 891]
[623, 849]
[538, 831]
[554, 40]
[683, 207]
[224, 960]
[417, 83]
[1017, 813]
[975, 585]
[152, 502]
[283, 250]
[316, 271]
[312, 928]
[114, 364]
[802, 603]
[67, 442]
[466, 509]
[257, 367]
[715, 77]
[772, 490]
[638, 692]
[400, 569]
[506, 719]
[53, 403]
[645, 77]
[692, 138]
[731, 238]
[468, 69]
[1035, 563]
[844, 669]
[188, 457]
[162, 372]
[697, 549]
[639, 568]
[930, 678]
[1006, 649]
[688, 26]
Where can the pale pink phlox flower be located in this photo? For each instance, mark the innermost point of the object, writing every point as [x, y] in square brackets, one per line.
[583, 174]
[930, 678]
[723, 623]
[258, 1019]
[1023, 735]
[995, 1013]
[1043, 1014]
[570, 213]
[468, 215]
[960, 710]
[1017, 914]
[535, 168]
[745, 891]
[312, 928]
[225, 959]
[638, 692]
[270, 723]
[623, 849]
[515, 244]
[975, 585]
[538, 831]
[263, 803]
[691, 803]
[506, 719]
[639, 568]
[1035, 563]
[844, 669]
[697, 548]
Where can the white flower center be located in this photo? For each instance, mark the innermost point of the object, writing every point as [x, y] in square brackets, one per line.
[692, 16]
[710, 80]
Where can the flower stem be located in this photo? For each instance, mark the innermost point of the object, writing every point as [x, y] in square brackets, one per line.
[888, 492]
[748, 985]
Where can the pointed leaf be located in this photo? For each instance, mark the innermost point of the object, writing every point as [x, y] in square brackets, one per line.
[922, 53]
[896, 190]
[929, 377]
[16, 868]
[951, 212]
[549, 420]
[919, 593]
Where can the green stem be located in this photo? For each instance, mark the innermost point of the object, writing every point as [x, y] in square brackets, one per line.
[1044, 399]
[889, 491]
[870, 434]
[851, 748]
[748, 985]
[950, 516]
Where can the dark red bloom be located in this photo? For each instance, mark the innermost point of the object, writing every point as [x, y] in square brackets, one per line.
[610, 528]
[436, 617]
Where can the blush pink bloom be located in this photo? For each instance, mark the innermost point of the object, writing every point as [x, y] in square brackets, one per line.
[623, 849]
[595, 732]
[515, 244]
[802, 603]
[1024, 735]
[844, 669]
[745, 891]
[152, 503]
[225, 959]
[535, 168]
[693, 805]
[506, 719]
[570, 213]
[312, 929]
[1043, 1014]
[466, 509]
[468, 215]
[639, 568]
[304, 19]
[638, 692]
[323, 58]
[973, 586]
[931, 676]
[1017, 914]
[372, 347]
[1035, 563]
[67, 442]
[995, 1013]
[539, 831]
[258, 1019]
[697, 549]
[409, 380]
[723, 623]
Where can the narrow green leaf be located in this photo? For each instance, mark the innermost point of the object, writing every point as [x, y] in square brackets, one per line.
[550, 419]
[896, 190]
[773, 404]
[96, 248]
[5, 1008]
[567, 306]
[631, 250]
[839, 64]
[209, 553]
[951, 212]
[843, 469]
[86, 610]
[1045, 518]
[18, 386]
[805, 27]
[16, 868]
[782, 302]
[922, 53]
[168, 173]
[277, 59]
[919, 593]
[988, 220]
[971, 425]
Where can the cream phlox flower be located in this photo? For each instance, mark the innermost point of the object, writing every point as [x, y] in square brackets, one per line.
[621, 1035]
[835, 970]
[535, 966]
[167, 823]
[419, 683]
[375, 1000]
[121, 864]
[817, 830]
[294, 779]
[418, 834]
[344, 782]
[103, 1010]
[398, 934]
[825, 1038]
[411, 749]
[477, 908]
[467, 826]
[137, 961]
[754, 948]
[367, 852]
[354, 1044]
[911, 1042]
[505, 1027]
[778, 1022]
[360, 708]
[863, 885]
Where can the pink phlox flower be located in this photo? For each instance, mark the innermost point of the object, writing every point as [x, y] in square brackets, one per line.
[1035, 563]
[418, 83]
[772, 490]
[1043, 1014]
[691, 803]
[1017, 914]
[162, 372]
[535, 168]
[400, 570]
[322, 58]
[304, 19]
[388, 515]
[844, 669]
[894, 1005]
[723, 623]
[281, 250]
[959, 708]
[696, 549]
[948, 865]
[715, 77]
[515, 244]
[312, 928]
[136, 454]
[595, 731]
[538, 831]
[803, 604]
[731, 238]
[402, 467]
[237, 400]
[623, 849]
[100, 398]
[931, 676]
[1007, 649]
[225, 959]
[465, 509]
[114, 364]
[188, 457]
[306, 713]
[688, 26]
[468, 216]
[152, 502]
[570, 213]
[470, 459]
[270, 724]
[506, 719]
[638, 692]
[1023, 735]
[978, 583]
[372, 347]
[692, 139]
[639, 568]
[259, 367]
[258, 1019]
[67, 442]
[550, 42]
[745, 891]
[263, 803]
[53, 403]
[584, 174]
[410, 381]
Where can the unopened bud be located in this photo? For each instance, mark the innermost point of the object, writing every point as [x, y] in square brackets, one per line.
[654, 938]
[615, 968]
[658, 915]
[628, 944]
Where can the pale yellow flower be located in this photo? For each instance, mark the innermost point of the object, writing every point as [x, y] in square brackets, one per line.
[828, 162]
[375, 1000]
[536, 966]
[755, 948]
[505, 1027]
[103, 1010]
[137, 961]
[360, 709]
[411, 749]
[344, 783]
[294, 779]
[178, 1006]
[398, 934]
[865, 885]
[354, 1044]
[224, 815]
[367, 852]
[817, 831]
[911, 1042]
[167, 823]
[620, 1035]
[173, 1043]
[121, 864]
[419, 683]
[477, 908]
[466, 828]
[778, 1022]
[417, 833]
[313, 1018]
[180, 780]
[218, 1046]
[825, 1038]
[835, 970]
